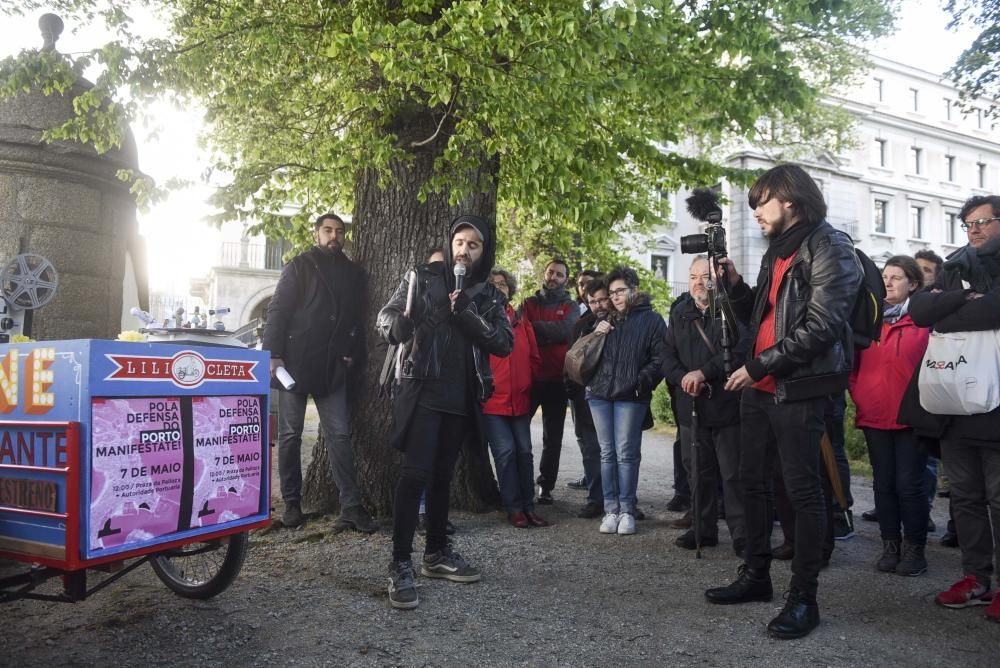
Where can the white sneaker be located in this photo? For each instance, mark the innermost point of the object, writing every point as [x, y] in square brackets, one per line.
[610, 524]
[626, 524]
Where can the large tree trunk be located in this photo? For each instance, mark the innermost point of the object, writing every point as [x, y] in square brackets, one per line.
[392, 231]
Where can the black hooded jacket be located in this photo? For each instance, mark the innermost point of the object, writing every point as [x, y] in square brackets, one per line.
[632, 360]
[426, 336]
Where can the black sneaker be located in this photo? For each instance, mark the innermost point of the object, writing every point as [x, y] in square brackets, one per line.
[578, 484]
[686, 540]
[843, 525]
[949, 539]
[870, 515]
[751, 585]
[402, 588]
[448, 565]
[591, 510]
[292, 516]
[679, 503]
[544, 497]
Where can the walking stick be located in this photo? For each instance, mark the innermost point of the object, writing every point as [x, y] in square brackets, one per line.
[830, 461]
[695, 475]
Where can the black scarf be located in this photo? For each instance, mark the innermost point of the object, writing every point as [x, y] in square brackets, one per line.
[979, 266]
[787, 243]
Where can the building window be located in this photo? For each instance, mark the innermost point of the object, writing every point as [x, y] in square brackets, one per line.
[879, 89]
[879, 215]
[981, 169]
[915, 95]
[916, 222]
[979, 118]
[950, 166]
[916, 159]
[881, 152]
[947, 109]
[951, 226]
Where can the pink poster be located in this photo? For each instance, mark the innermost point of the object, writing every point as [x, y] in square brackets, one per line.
[228, 433]
[137, 464]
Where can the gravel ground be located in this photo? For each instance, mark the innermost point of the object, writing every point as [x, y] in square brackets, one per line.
[559, 596]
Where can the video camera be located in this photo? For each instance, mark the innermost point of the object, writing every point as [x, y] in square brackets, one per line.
[703, 205]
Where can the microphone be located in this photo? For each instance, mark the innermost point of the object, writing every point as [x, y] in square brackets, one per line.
[459, 275]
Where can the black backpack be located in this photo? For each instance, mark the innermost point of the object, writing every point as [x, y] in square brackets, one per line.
[868, 311]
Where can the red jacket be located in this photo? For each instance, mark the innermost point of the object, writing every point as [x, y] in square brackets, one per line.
[552, 314]
[883, 371]
[512, 375]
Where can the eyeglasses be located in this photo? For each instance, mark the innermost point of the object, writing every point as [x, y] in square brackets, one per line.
[595, 302]
[619, 292]
[982, 222]
[500, 284]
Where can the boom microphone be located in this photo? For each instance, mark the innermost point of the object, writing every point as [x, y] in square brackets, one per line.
[459, 275]
[703, 204]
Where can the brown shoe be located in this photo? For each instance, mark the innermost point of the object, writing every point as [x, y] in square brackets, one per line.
[680, 523]
[535, 520]
[784, 552]
[518, 520]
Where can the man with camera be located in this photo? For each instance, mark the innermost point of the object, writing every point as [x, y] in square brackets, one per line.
[693, 364]
[966, 298]
[798, 316]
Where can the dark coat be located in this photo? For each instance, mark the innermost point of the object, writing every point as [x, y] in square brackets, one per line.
[632, 359]
[425, 336]
[312, 325]
[950, 311]
[814, 349]
[552, 314]
[685, 350]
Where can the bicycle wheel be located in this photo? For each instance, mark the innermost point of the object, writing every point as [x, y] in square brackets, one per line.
[202, 570]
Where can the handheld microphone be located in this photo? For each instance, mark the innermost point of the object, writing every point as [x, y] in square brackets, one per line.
[459, 275]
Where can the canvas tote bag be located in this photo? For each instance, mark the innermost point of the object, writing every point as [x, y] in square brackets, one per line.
[582, 359]
[960, 373]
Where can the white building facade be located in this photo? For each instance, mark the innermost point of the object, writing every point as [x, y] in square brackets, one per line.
[918, 157]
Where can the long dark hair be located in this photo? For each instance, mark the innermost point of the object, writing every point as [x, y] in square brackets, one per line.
[790, 183]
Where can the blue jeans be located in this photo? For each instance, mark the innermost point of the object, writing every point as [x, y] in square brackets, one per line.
[899, 469]
[510, 443]
[619, 431]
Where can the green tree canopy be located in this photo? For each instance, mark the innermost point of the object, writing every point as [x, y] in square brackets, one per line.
[586, 107]
[977, 71]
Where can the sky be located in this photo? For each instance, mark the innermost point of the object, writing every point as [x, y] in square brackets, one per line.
[181, 246]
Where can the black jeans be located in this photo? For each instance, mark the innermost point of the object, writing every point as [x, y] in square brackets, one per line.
[433, 442]
[718, 461]
[836, 407]
[974, 480]
[552, 397]
[899, 469]
[789, 432]
[682, 487]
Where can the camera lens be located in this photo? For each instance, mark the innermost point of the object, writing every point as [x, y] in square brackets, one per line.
[694, 243]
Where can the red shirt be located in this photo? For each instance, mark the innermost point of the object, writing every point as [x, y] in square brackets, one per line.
[766, 335]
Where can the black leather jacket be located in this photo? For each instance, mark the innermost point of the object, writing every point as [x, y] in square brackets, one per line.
[481, 318]
[814, 347]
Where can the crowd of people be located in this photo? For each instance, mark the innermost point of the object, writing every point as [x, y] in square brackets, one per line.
[757, 376]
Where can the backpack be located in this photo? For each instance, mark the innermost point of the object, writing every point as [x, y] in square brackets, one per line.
[865, 319]
[869, 307]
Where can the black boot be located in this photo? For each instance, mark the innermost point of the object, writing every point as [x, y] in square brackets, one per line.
[890, 556]
[912, 562]
[751, 585]
[799, 616]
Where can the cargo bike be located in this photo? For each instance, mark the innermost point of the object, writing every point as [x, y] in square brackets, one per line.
[114, 454]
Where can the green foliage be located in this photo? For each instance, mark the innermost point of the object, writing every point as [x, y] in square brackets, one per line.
[663, 415]
[977, 71]
[583, 108]
[854, 439]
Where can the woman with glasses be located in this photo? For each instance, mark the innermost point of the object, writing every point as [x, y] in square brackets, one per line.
[620, 391]
[507, 414]
[899, 463]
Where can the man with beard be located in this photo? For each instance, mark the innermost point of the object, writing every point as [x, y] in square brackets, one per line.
[598, 302]
[552, 313]
[312, 329]
[693, 364]
[798, 316]
[966, 298]
[447, 335]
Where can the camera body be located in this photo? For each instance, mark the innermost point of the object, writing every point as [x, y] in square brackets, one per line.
[711, 242]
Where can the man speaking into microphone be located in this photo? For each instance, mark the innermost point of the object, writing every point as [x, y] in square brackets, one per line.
[798, 317]
[454, 321]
